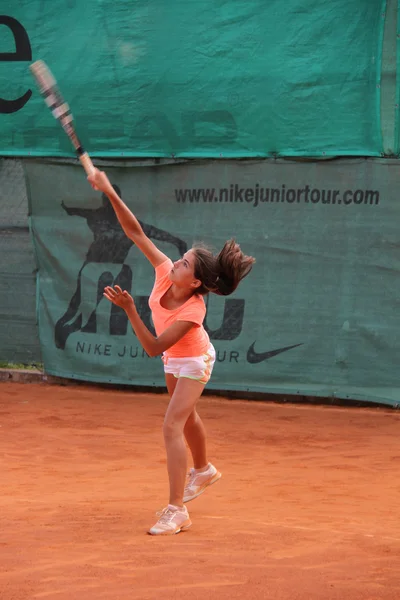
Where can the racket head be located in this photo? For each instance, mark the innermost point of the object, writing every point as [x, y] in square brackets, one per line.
[48, 88]
[50, 91]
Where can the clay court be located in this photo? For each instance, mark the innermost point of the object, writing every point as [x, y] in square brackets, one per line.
[307, 507]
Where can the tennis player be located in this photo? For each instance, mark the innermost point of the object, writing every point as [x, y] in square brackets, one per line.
[178, 311]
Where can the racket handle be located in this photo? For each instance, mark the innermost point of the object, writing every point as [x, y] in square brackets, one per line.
[86, 163]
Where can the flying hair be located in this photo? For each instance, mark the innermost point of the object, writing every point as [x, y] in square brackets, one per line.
[221, 274]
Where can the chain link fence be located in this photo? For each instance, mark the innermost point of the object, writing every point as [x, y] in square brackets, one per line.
[19, 341]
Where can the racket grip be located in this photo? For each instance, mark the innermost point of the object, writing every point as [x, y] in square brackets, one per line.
[86, 163]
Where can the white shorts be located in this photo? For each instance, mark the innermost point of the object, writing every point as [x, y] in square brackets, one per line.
[192, 367]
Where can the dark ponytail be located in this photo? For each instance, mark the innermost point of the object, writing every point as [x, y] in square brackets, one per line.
[221, 274]
[232, 266]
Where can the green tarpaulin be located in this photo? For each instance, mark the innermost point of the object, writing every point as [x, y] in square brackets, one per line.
[318, 315]
[193, 79]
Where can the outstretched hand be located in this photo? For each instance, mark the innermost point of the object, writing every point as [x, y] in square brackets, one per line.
[118, 296]
[99, 181]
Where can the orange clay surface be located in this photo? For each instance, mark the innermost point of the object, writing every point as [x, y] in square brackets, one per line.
[307, 508]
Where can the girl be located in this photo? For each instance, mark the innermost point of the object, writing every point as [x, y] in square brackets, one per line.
[178, 311]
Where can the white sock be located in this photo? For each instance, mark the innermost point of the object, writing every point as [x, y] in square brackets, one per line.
[200, 471]
[174, 507]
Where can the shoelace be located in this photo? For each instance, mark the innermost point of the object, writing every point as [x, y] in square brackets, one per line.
[190, 478]
[166, 515]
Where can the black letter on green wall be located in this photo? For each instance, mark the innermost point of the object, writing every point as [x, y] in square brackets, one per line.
[23, 52]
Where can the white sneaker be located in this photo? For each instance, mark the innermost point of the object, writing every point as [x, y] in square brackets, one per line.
[173, 519]
[197, 483]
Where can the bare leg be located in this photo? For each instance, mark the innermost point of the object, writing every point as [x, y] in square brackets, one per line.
[194, 430]
[182, 404]
[171, 382]
[196, 438]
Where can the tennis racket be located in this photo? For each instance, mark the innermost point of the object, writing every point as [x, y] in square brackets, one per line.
[60, 109]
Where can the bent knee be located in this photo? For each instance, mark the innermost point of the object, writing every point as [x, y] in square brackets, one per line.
[193, 419]
[172, 429]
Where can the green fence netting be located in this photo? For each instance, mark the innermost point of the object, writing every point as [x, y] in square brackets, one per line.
[318, 315]
[196, 79]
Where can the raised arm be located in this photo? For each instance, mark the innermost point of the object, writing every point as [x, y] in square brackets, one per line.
[129, 223]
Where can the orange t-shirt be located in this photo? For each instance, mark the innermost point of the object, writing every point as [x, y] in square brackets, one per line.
[196, 341]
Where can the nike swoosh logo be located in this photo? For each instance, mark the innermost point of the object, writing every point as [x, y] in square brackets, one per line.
[254, 357]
